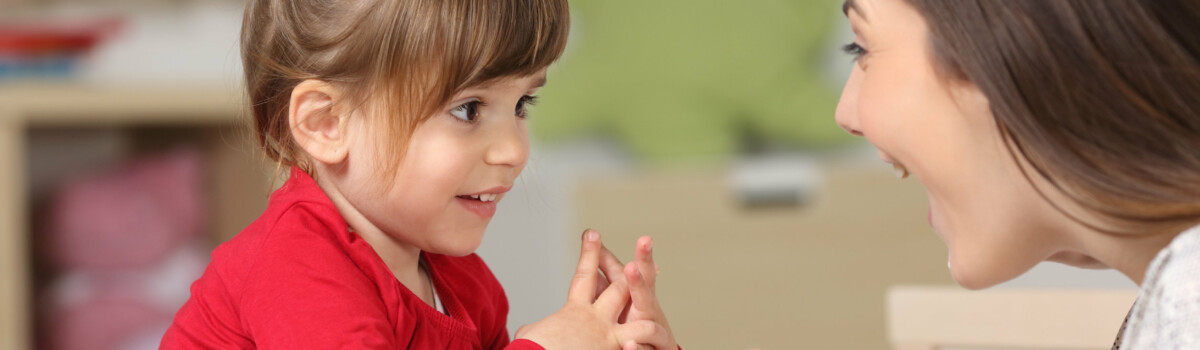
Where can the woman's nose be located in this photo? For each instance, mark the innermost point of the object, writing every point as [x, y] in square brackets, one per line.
[847, 109]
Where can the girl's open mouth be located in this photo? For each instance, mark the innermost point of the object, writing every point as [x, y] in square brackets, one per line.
[484, 205]
[486, 197]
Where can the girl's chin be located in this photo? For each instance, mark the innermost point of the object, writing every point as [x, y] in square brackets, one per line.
[458, 248]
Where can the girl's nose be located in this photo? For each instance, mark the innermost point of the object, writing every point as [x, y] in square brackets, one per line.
[509, 145]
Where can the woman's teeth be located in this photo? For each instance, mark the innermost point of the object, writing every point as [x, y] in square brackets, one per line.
[901, 171]
[486, 197]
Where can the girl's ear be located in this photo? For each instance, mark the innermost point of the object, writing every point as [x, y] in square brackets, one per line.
[316, 124]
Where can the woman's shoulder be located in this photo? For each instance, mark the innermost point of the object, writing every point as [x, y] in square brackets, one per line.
[1167, 313]
[1177, 267]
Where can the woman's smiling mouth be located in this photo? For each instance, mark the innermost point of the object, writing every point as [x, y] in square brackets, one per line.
[900, 170]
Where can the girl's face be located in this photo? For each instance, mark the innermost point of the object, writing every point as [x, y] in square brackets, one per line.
[943, 133]
[457, 166]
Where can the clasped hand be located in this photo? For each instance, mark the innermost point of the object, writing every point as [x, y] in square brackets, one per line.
[610, 305]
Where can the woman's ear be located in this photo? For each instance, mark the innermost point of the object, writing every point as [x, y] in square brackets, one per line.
[971, 100]
[316, 123]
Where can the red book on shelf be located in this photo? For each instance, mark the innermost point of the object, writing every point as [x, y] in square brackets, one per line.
[53, 37]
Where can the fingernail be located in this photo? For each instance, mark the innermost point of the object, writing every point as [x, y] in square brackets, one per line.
[593, 236]
[649, 245]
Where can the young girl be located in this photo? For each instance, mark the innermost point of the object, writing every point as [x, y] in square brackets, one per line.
[1042, 130]
[404, 125]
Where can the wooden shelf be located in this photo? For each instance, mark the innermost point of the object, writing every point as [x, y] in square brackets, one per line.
[238, 176]
[42, 104]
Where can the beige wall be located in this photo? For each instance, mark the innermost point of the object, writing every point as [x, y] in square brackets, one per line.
[812, 277]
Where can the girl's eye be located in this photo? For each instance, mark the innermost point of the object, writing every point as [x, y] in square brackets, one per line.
[855, 50]
[467, 112]
[522, 105]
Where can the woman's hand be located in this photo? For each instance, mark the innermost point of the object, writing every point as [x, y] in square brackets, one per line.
[645, 324]
[595, 302]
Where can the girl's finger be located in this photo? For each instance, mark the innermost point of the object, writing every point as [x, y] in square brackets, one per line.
[583, 285]
[639, 291]
[611, 265]
[643, 333]
[611, 303]
[601, 285]
[644, 255]
[612, 270]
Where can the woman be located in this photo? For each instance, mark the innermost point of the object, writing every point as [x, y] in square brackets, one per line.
[1060, 130]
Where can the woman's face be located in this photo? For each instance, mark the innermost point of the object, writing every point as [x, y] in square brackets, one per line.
[942, 132]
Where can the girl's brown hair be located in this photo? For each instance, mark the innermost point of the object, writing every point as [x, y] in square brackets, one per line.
[1101, 97]
[403, 59]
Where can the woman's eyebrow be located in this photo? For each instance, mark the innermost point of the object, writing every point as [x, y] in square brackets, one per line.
[852, 5]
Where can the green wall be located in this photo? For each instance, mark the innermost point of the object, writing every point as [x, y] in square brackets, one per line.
[672, 79]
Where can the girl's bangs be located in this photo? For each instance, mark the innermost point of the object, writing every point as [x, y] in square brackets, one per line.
[514, 38]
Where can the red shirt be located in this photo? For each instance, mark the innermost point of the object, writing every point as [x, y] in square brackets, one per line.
[296, 278]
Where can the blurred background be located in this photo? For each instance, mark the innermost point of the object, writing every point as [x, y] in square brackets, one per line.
[705, 124]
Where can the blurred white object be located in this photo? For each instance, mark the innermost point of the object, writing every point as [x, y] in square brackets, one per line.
[776, 180]
[189, 43]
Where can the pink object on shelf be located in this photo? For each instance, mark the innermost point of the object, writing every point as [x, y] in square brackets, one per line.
[104, 324]
[131, 216]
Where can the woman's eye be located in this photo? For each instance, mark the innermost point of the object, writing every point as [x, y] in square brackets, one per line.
[522, 105]
[855, 50]
[467, 112]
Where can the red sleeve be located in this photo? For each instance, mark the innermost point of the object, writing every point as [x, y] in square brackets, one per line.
[202, 323]
[304, 292]
[524, 344]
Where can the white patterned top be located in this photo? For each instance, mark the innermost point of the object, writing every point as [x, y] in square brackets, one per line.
[1167, 312]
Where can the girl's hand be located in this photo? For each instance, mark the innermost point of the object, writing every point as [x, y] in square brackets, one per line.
[589, 319]
[645, 323]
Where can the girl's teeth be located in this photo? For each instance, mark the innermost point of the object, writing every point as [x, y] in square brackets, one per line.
[486, 197]
[901, 171]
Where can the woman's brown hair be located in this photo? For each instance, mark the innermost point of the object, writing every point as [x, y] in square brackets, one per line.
[400, 59]
[1102, 97]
